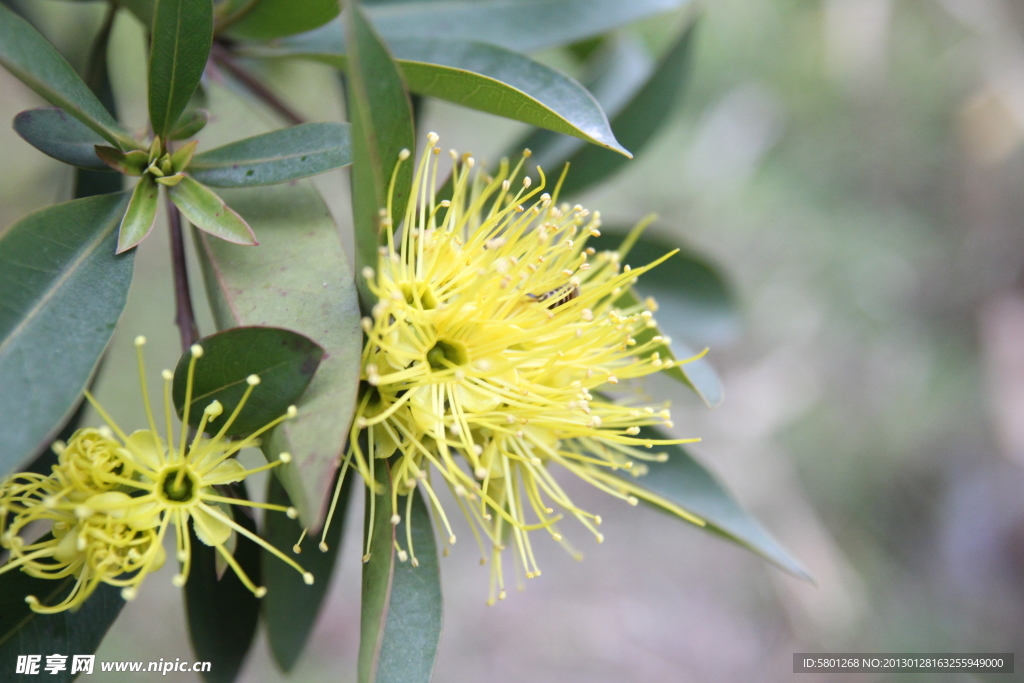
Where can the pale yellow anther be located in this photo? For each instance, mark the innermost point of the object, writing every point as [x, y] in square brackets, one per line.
[285, 457]
[196, 351]
[404, 154]
[252, 380]
[292, 513]
[167, 375]
[140, 341]
[292, 412]
[260, 592]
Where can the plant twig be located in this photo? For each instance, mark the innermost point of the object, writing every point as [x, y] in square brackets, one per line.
[224, 58]
[185, 316]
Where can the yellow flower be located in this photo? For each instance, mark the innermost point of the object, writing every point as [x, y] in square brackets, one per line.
[496, 327]
[113, 496]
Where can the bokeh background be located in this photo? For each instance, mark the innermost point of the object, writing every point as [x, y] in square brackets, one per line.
[854, 167]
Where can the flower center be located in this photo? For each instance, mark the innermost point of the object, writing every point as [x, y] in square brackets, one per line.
[427, 300]
[178, 485]
[446, 354]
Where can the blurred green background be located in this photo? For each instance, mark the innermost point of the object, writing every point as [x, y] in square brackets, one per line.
[854, 168]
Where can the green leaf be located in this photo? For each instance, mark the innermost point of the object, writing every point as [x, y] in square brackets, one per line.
[277, 157]
[412, 632]
[58, 273]
[223, 613]
[490, 79]
[22, 631]
[141, 214]
[35, 62]
[209, 213]
[284, 361]
[190, 123]
[639, 120]
[378, 569]
[696, 374]
[382, 127]
[291, 608]
[685, 482]
[298, 279]
[269, 19]
[400, 621]
[133, 163]
[696, 303]
[54, 133]
[182, 35]
[520, 25]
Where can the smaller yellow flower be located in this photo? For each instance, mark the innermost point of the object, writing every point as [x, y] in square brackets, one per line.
[113, 496]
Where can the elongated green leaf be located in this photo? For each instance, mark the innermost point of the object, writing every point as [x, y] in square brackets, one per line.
[685, 482]
[55, 133]
[696, 374]
[382, 127]
[696, 303]
[141, 214]
[378, 570]
[22, 631]
[489, 79]
[412, 631]
[182, 35]
[27, 55]
[209, 213]
[639, 120]
[298, 279]
[190, 123]
[290, 608]
[223, 613]
[276, 157]
[400, 622]
[520, 25]
[284, 361]
[57, 270]
[270, 19]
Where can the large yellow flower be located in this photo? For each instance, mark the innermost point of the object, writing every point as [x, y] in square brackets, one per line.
[496, 328]
[113, 496]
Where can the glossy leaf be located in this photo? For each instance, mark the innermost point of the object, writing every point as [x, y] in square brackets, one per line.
[519, 25]
[133, 163]
[57, 134]
[269, 19]
[291, 608]
[639, 120]
[685, 482]
[284, 361]
[298, 279]
[412, 631]
[378, 570]
[276, 157]
[28, 55]
[382, 127]
[182, 35]
[696, 374]
[222, 612]
[696, 303]
[400, 623]
[190, 123]
[60, 273]
[209, 213]
[22, 631]
[141, 214]
[487, 78]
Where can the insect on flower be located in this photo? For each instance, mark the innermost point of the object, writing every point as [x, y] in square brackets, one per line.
[468, 382]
